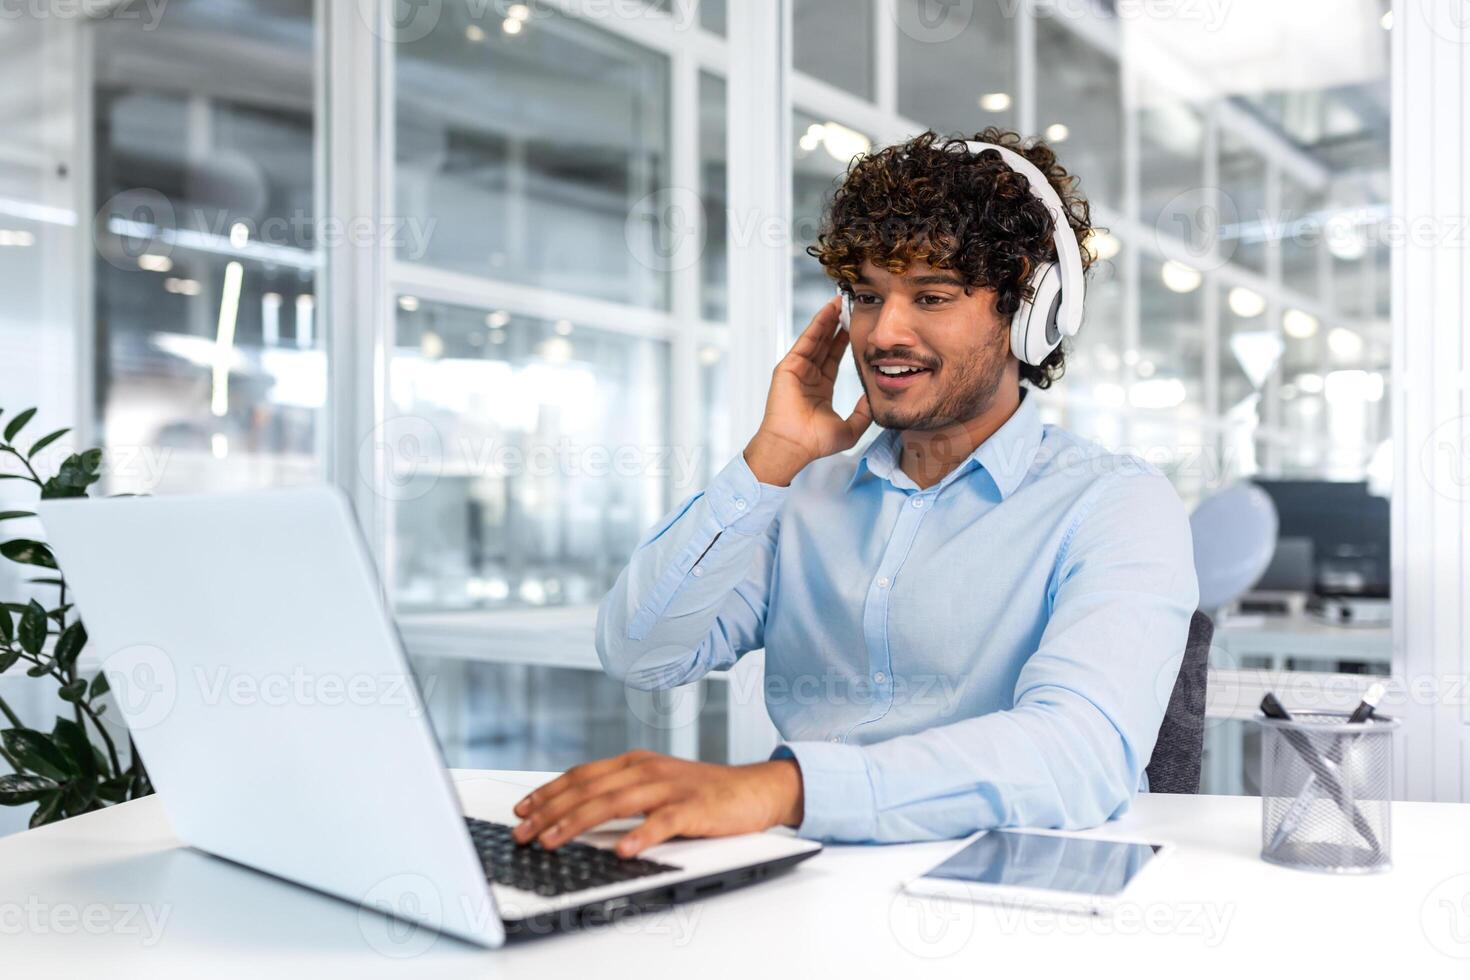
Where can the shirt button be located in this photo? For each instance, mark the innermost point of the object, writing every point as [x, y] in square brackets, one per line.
[880, 677]
[698, 572]
[883, 582]
[918, 503]
[739, 503]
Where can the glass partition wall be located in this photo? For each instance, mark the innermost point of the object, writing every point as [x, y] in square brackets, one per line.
[556, 283]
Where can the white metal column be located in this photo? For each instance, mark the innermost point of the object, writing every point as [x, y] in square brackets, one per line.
[759, 139]
[352, 186]
[1431, 306]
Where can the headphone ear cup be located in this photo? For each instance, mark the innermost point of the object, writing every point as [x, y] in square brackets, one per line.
[1034, 329]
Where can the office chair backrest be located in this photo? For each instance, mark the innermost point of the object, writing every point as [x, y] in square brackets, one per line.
[1175, 764]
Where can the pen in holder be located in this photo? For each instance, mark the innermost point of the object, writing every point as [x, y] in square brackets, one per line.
[1326, 783]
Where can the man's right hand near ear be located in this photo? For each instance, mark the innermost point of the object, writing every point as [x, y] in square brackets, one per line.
[800, 425]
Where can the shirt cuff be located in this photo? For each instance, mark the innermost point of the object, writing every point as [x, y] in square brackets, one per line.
[739, 501]
[837, 793]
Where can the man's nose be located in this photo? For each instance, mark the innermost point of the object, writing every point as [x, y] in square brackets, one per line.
[894, 327]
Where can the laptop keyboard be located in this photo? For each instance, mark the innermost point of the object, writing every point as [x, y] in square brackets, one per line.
[573, 867]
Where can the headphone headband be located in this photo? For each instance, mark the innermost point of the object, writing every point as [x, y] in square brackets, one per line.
[1069, 256]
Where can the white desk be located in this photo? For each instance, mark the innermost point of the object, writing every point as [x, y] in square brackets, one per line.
[1214, 909]
[1300, 637]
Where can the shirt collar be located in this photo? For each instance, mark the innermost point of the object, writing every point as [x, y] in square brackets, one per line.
[1007, 455]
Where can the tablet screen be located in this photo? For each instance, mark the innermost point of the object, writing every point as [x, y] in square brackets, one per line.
[1048, 862]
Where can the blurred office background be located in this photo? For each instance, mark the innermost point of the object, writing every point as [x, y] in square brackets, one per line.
[540, 170]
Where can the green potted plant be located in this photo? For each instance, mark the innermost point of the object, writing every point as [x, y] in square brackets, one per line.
[64, 772]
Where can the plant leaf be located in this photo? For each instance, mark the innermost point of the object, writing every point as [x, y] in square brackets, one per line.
[32, 632]
[72, 639]
[41, 669]
[73, 691]
[49, 811]
[114, 790]
[16, 789]
[72, 740]
[7, 626]
[8, 659]
[45, 441]
[99, 686]
[28, 553]
[76, 473]
[36, 753]
[10, 515]
[18, 423]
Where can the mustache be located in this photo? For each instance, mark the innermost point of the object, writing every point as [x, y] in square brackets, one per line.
[904, 353]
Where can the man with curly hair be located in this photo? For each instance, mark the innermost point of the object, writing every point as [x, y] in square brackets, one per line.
[974, 623]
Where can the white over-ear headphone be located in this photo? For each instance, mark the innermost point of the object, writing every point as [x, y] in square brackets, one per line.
[1052, 306]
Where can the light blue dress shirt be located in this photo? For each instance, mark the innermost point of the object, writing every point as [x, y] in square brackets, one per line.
[996, 650]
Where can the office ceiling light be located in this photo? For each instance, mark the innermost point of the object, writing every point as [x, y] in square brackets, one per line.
[518, 11]
[1309, 383]
[709, 356]
[408, 304]
[270, 319]
[305, 321]
[224, 339]
[1344, 238]
[842, 144]
[474, 33]
[1246, 302]
[1057, 132]
[1104, 245]
[431, 345]
[512, 26]
[995, 101]
[219, 445]
[149, 262]
[1179, 277]
[1299, 324]
[497, 319]
[1344, 343]
[1257, 352]
[181, 287]
[17, 238]
[563, 328]
[555, 350]
[239, 235]
[1386, 21]
[1353, 386]
[1146, 369]
[1157, 393]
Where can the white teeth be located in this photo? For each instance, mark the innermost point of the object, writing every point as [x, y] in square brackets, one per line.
[894, 370]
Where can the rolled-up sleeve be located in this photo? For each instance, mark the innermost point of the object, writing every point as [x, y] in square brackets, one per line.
[1071, 750]
[694, 596]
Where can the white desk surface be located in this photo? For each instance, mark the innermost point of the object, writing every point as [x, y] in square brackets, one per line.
[71, 895]
[1302, 637]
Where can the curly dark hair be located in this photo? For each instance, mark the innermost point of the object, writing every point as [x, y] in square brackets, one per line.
[920, 201]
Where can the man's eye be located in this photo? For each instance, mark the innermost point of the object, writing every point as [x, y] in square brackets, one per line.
[932, 299]
[865, 299]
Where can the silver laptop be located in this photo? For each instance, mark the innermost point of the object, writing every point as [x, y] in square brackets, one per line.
[248, 648]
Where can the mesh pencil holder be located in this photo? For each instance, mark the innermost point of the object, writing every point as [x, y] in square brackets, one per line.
[1326, 784]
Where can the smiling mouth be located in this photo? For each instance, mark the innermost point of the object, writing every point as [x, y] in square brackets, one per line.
[893, 378]
[897, 370]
